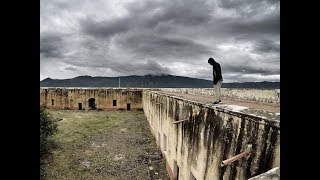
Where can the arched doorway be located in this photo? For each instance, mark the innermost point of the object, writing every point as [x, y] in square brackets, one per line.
[92, 103]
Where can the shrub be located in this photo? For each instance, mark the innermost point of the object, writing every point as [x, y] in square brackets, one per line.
[48, 126]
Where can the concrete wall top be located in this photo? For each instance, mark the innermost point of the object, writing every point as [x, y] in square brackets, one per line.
[255, 95]
[272, 119]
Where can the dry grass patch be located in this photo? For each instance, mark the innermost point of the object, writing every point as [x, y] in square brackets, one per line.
[104, 145]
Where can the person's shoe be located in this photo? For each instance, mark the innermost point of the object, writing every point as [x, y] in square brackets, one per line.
[216, 102]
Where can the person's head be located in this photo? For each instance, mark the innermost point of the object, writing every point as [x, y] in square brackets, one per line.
[211, 61]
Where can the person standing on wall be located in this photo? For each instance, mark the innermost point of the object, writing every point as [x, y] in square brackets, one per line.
[217, 79]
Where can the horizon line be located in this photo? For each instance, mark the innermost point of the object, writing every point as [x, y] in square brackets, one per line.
[153, 75]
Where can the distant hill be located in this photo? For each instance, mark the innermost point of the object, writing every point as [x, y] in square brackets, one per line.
[150, 81]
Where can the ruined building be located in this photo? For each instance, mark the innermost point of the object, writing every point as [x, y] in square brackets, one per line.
[195, 138]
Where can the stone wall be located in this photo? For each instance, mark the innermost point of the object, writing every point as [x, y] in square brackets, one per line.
[69, 98]
[194, 138]
[205, 136]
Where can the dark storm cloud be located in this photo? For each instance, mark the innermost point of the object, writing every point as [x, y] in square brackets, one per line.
[127, 68]
[161, 37]
[268, 25]
[248, 21]
[148, 14]
[150, 67]
[163, 47]
[187, 12]
[104, 29]
[265, 46]
[71, 69]
[251, 4]
[50, 45]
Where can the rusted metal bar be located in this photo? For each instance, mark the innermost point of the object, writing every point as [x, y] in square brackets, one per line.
[237, 157]
[175, 122]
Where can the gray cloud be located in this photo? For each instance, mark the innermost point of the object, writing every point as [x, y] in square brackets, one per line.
[187, 13]
[252, 69]
[50, 45]
[124, 68]
[243, 77]
[269, 25]
[110, 38]
[150, 45]
[149, 67]
[149, 14]
[104, 29]
[247, 6]
[71, 69]
[265, 46]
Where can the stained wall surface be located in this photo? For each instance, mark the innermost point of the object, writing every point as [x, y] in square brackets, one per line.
[195, 139]
[73, 98]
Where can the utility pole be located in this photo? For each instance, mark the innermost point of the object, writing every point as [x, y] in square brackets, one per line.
[119, 82]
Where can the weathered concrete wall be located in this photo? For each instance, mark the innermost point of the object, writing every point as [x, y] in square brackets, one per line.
[69, 98]
[196, 147]
[273, 174]
[256, 95]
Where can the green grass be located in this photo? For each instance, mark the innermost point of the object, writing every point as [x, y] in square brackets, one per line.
[103, 145]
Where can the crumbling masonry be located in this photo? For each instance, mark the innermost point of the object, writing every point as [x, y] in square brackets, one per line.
[193, 137]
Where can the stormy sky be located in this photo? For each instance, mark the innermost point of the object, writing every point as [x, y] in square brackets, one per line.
[138, 37]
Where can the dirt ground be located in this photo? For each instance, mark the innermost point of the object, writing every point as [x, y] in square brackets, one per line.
[209, 99]
[104, 145]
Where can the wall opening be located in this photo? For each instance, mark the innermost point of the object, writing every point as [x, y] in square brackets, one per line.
[80, 106]
[114, 102]
[128, 106]
[175, 170]
[164, 143]
[52, 102]
[71, 102]
[92, 103]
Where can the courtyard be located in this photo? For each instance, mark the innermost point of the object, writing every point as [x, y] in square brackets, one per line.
[103, 145]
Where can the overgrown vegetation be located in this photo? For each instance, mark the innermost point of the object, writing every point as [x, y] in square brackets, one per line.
[103, 145]
[48, 127]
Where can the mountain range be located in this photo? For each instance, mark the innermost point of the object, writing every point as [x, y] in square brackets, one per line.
[150, 81]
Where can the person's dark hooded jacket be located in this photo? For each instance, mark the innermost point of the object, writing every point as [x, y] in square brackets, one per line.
[217, 76]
